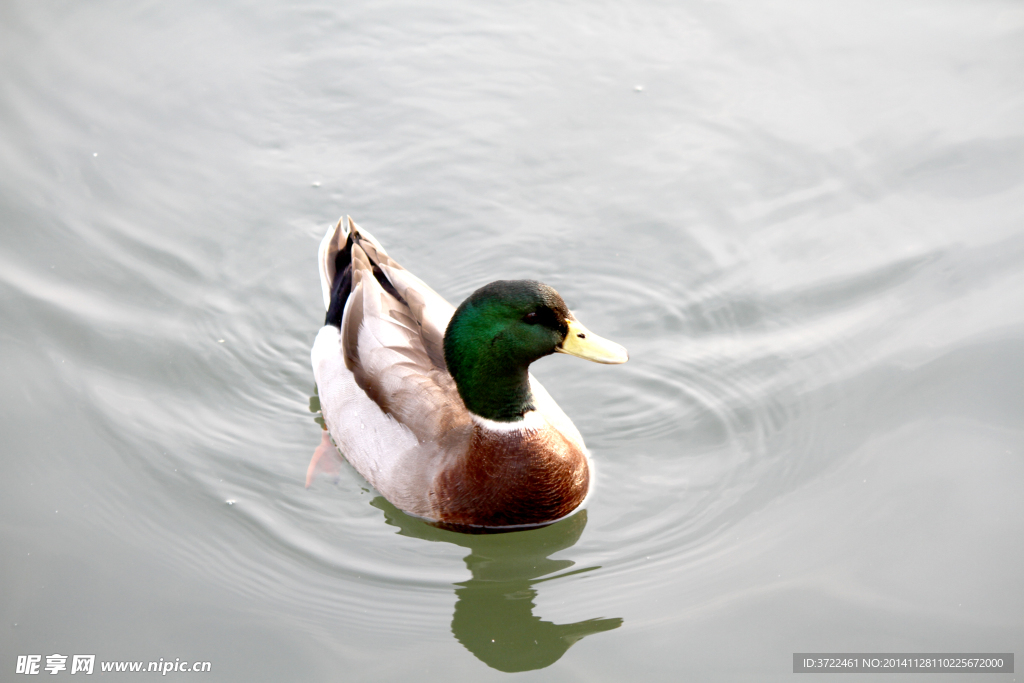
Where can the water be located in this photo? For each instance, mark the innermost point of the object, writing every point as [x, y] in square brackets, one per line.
[803, 220]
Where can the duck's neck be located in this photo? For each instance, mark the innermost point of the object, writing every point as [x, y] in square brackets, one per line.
[492, 387]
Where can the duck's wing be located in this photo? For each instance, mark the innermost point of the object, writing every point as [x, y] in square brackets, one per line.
[429, 310]
[392, 333]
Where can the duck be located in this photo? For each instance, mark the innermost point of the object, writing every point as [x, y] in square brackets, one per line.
[435, 405]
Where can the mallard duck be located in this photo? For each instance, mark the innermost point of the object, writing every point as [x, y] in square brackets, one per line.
[434, 405]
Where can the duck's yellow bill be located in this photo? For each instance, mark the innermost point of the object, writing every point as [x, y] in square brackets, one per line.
[583, 343]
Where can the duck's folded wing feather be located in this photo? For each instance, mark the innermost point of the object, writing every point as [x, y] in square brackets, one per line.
[427, 308]
[423, 306]
[384, 345]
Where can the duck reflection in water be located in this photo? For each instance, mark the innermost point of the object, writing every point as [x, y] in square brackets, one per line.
[494, 616]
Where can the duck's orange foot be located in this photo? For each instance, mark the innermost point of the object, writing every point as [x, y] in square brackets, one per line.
[326, 458]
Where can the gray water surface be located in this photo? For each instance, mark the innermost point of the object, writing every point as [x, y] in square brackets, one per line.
[805, 220]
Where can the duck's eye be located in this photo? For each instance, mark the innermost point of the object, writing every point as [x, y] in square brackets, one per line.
[531, 318]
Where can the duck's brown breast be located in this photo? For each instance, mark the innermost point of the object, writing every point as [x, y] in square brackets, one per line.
[513, 478]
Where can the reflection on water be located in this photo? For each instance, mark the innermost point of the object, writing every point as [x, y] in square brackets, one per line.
[494, 616]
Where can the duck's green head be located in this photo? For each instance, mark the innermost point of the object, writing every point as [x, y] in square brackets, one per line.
[499, 330]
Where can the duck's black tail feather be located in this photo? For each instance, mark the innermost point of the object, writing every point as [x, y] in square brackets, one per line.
[342, 285]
